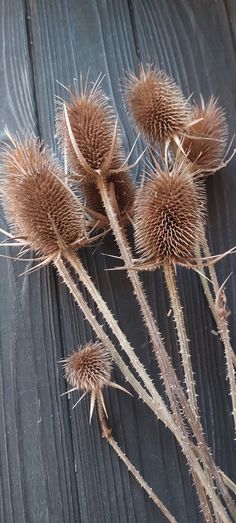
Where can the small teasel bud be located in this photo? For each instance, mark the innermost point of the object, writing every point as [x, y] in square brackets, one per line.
[206, 142]
[156, 105]
[39, 206]
[168, 217]
[88, 132]
[88, 369]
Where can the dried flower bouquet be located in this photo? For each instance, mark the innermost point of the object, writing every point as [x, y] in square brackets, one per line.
[55, 212]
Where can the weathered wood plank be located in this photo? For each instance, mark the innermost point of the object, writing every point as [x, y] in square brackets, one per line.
[64, 471]
[36, 459]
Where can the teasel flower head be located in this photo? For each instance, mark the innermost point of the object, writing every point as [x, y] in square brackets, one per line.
[156, 105]
[88, 132]
[90, 138]
[89, 370]
[207, 138]
[169, 217]
[43, 213]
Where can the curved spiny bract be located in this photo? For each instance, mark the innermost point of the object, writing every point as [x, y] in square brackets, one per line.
[169, 217]
[89, 368]
[207, 154]
[92, 123]
[156, 105]
[40, 208]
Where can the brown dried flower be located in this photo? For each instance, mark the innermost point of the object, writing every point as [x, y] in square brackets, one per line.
[156, 105]
[168, 217]
[207, 146]
[41, 209]
[97, 147]
[89, 370]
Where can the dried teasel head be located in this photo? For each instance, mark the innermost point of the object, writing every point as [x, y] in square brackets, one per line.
[89, 370]
[156, 105]
[88, 132]
[169, 217]
[43, 212]
[207, 138]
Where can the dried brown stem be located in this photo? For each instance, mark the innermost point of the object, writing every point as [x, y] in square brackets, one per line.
[100, 179]
[102, 306]
[224, 333]
[173, 387]
[185, 355]
[182, 336]
[216, 288]
[157, 406]
[111, 321]
[219, 312]
[106, 432]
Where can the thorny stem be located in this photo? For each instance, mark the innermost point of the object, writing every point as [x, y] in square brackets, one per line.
[106, 432]
[162, 356]
[175, 381]
[185, 354]
[211, 267]
[173, 387]
[110, 319]
[208, 292]
[224, 333]
[220, 319]
[221, 328]
[98, 329]
[157, 406]
[220, 315]
[229, 482]
[102, 307]
[182, 336]
[206, 287]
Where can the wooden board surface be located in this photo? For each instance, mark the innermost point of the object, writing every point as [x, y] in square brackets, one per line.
[54, 467]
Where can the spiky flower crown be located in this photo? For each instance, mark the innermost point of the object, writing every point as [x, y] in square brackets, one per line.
[168, 217]
[40, 208]
[92, 123]
[89, 135]
[206, 142]
[156, 105]
[89, 368]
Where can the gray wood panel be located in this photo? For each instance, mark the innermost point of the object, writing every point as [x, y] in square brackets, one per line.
[54, 467]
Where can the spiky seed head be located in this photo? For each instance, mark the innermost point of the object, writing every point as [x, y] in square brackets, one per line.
[92, 122]
[168, 218]
[156, 105]
[207, 153]
[38, 205]
[89, 369]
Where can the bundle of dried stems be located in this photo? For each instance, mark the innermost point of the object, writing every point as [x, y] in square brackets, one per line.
[168, 211]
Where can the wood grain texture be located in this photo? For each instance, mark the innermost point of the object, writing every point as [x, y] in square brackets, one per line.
[54, 467]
